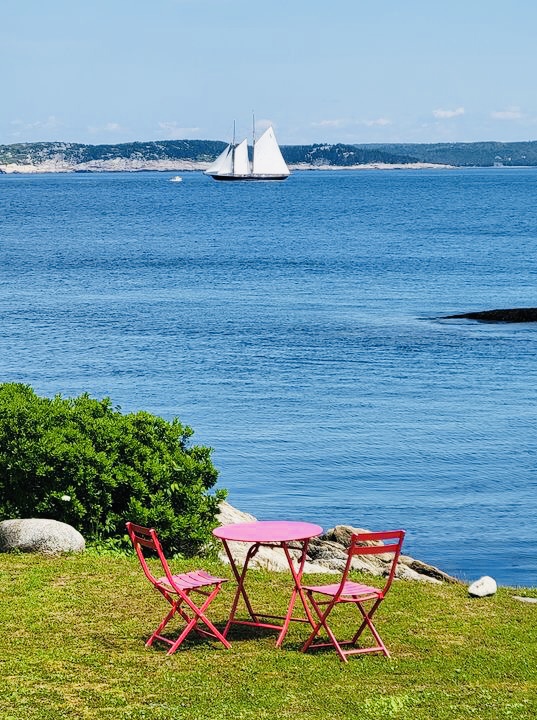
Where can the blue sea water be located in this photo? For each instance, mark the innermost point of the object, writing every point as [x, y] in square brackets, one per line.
[297, 328]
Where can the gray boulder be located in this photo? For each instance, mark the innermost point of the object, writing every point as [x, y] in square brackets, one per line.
[321, 549]
[229, 515]
[342, 534]
[423, 569]
[38, 535]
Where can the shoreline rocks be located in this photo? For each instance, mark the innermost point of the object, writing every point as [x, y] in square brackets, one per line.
[328, 554]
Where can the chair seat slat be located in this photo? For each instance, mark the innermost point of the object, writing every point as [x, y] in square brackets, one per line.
[191, 580]
[349, 588]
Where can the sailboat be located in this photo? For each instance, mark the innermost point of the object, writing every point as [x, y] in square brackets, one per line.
[267, 161]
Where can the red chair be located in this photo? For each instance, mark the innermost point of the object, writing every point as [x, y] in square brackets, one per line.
[367, 598]
[177, 589]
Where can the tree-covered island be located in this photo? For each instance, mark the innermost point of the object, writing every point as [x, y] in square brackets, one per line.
[198, 154]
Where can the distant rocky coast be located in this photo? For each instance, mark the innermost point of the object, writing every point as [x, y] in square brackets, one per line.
[60, 165]
[184, 155]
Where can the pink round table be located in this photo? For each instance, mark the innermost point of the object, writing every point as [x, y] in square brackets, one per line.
[269, 533]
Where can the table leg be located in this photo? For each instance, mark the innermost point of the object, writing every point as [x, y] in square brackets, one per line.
[297, 589]
[241, 590]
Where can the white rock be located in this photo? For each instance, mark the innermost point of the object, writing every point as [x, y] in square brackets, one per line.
[483, 587]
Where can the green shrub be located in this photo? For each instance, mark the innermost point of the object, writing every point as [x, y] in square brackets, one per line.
[83, 462]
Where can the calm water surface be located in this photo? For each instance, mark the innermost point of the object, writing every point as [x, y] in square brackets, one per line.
[295, 326]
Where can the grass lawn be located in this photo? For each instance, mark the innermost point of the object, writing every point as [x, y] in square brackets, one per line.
[73, 632]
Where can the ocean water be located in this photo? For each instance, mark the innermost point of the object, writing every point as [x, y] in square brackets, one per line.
[297, 328]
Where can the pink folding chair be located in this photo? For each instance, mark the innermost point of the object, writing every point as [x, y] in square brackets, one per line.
[367, 598]
[177, 590]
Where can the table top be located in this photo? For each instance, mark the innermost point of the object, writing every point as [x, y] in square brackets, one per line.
[268, 531]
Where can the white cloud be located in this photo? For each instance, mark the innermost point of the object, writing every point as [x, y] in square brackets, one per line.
[109, 127]
[331, 123]
[512, 113]
[262, 125]
[378, 122]
[346, 123]
[173, 131]
[441, 114]
[21, 126]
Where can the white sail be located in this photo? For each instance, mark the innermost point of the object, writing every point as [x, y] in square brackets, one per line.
[241, 165]
[222, 164]
[268, 159]
[234, 163]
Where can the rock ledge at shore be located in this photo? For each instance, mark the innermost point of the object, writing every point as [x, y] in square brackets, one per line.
[328, 554]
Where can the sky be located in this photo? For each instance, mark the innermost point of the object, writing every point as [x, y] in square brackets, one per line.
[349, 71]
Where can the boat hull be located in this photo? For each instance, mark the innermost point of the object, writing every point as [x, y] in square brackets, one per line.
[247, 178]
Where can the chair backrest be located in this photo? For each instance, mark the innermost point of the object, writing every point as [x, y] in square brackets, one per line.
[388, 542]
[145, 539]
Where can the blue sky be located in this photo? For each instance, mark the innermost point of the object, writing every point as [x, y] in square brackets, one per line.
[353, 71]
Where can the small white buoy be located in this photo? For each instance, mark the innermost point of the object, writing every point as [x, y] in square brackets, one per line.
[483, 587]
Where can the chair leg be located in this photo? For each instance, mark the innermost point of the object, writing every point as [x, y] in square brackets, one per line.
[155, 635]
[198, 614]
[322, 623]
[189, 626]
[316, 628]
[367, 622]
[187, 618]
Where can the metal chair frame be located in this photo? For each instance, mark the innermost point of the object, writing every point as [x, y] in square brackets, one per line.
[367, 598]
[176, 589]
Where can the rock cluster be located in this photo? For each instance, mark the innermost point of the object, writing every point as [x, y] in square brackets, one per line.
[328, 554]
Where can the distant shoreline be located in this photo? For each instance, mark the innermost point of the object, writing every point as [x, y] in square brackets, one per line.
[197, 155]
[124, 165]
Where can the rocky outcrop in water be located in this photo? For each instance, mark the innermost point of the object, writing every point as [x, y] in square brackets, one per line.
[510, 315]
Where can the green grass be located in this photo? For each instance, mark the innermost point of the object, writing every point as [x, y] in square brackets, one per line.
[72, 646]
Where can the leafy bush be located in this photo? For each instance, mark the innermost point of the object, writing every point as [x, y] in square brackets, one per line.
[83, 462]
